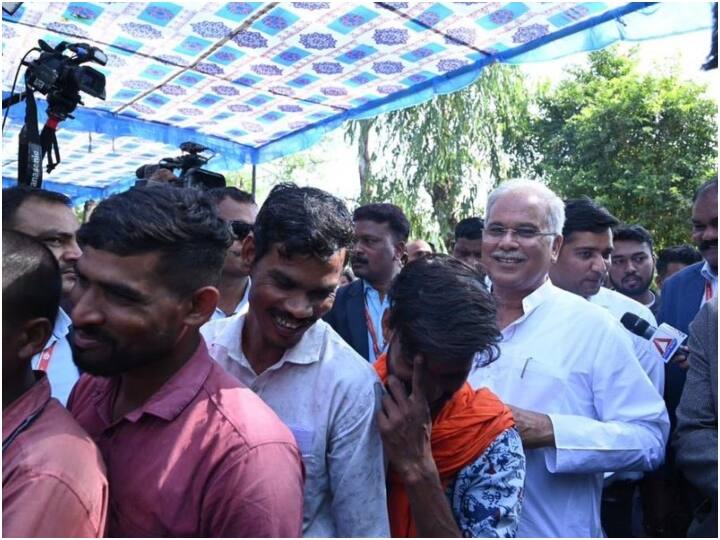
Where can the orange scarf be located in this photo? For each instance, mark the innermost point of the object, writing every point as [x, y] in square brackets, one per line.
[465, 427]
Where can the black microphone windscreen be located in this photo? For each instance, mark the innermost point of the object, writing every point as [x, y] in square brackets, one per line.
[636, 325]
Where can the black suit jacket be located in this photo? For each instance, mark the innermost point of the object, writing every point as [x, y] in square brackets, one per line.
[347, 317]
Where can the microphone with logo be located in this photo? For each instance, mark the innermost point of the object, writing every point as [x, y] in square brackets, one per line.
[666, 340]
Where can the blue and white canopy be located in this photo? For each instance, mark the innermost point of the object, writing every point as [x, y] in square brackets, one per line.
[256, 81]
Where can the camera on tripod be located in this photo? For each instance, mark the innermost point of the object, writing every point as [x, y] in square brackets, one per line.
[61, 78]
[191, 172]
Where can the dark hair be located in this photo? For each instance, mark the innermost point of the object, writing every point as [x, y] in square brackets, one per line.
[385, 213]
[217, 195]
[14, 197]
[470, 228]
[585, 215]
[31, 279]
[707, 186]
[684, 254]
[303, 221]
[633, 233]
[181, 224]
[441, 309]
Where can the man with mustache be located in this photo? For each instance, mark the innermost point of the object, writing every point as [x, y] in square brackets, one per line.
[633, 265]
[681, 298]
[281, 349]
[381, 232]
[239, 210]
[189, 450]
[48, 217]
[567, 369]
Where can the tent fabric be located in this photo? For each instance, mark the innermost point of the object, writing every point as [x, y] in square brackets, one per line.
[257, 81]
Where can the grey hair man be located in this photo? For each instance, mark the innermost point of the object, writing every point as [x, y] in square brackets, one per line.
[567, 369]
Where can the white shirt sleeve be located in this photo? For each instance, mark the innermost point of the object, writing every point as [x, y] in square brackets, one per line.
[631, 424]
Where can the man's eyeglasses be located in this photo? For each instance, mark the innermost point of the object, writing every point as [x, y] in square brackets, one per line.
[240, 229]
[526, 233]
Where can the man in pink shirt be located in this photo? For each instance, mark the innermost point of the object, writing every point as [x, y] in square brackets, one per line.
[189, 450]
[53, 476]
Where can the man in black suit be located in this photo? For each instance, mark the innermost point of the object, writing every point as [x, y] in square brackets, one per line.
[381, 231]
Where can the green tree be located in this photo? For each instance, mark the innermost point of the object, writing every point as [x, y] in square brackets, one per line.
[438, 154]
[639, 144]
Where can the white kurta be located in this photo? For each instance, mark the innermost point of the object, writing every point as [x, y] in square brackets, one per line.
[572, 361]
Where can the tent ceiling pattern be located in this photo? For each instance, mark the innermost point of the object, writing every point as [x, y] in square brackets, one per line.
[256, 81]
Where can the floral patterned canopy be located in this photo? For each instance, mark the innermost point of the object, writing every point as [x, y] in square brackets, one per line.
[255, 81]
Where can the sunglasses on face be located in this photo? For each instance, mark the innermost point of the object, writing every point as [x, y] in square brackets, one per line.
[240, 229]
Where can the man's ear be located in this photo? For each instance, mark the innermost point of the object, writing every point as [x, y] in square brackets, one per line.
[203, 304]
[33, 335]
[401, 252]
[248, 252]
[555, 247]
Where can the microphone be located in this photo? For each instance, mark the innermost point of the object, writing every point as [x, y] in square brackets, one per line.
[666, 340]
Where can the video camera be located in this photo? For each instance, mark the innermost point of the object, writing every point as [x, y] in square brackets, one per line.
[191, 172]
[61, 78]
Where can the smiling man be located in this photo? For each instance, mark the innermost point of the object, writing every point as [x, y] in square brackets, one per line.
[381, 232]
[189, 450]
[457, 466]
[567, 370]
[322, 389]
[48, 217]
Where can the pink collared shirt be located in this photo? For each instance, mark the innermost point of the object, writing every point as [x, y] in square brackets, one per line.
[204, 456]
[53, 476]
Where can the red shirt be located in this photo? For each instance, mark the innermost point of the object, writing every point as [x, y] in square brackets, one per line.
[204, 456]
[53, 476]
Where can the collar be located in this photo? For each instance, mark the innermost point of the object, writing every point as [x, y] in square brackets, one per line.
[707, 273]
[26, 405]
[534, 300]
[652, 301]
[307, 351]
[241, 304]
[173, 397]
[62, 324]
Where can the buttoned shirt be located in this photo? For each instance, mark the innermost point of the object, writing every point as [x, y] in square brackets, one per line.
[618, 305]
[711, 280]
[375, 308]
[325, 392]
[61, 370]
[53, 476]
[572, 361]
[203, 456]
[241, 308]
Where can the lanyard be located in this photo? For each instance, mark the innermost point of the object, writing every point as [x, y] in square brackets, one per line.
[22, 427]
[45, 357]
[373, 334]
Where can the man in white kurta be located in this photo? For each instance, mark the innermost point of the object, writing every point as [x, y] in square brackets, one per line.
[567, 369]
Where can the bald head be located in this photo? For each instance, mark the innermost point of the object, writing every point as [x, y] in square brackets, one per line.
[418, 249]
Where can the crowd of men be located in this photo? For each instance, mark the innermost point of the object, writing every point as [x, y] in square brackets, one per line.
[188, 364]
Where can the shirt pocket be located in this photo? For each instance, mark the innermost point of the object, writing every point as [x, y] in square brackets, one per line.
[536, 384]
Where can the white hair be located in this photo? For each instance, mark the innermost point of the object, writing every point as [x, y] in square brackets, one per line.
[555, 205]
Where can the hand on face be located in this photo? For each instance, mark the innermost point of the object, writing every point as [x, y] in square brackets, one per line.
[405, 424]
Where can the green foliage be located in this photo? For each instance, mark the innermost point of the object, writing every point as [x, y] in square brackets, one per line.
[638, 144]
[441, 151]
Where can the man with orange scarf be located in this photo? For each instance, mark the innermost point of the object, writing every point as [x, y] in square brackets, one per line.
[456, 464]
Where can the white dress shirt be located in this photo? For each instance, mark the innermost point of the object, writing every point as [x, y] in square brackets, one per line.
[325, 393]
[572, 361]
[61, 370]
[618, 305]
[240, 309]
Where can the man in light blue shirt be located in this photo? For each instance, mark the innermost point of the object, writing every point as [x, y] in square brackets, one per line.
[48, 217]
[381, 233]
